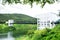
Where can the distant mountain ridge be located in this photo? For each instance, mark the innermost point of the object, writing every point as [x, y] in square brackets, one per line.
[18, 18]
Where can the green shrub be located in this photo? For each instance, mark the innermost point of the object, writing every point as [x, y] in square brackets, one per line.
[39, 34]
[4, 28]
[30, 32]
[23, 29]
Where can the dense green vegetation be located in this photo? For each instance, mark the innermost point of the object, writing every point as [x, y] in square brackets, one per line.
[45, 34]
[18, 18]
[29, 32]
[23, 29]
[17, 27]
[4, 28]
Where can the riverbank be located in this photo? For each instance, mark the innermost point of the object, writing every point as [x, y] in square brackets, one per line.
[20, 29]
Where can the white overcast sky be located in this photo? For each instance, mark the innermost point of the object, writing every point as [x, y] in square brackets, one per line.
[26, 9]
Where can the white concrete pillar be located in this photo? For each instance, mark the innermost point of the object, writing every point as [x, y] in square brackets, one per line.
[10, 22]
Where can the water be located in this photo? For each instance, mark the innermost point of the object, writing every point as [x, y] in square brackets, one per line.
[7, 36]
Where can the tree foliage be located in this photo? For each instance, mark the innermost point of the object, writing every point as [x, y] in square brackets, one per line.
[42, 2]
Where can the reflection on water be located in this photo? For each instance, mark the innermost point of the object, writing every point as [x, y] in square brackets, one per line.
[6, 36]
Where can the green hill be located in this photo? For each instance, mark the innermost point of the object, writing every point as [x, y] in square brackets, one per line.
[18, 18]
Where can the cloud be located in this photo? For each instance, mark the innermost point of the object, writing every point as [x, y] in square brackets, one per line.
[26, 9]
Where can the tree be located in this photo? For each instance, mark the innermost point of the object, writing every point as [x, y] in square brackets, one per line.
[42, 2]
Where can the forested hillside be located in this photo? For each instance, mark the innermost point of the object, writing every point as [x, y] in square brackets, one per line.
[18, 18]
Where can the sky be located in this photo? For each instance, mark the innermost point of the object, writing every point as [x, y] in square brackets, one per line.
[26, 9]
